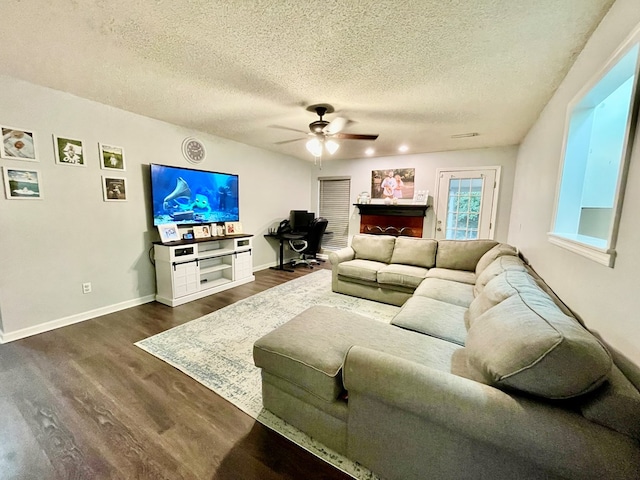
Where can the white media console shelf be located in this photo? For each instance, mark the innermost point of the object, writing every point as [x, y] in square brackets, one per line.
[192, 269]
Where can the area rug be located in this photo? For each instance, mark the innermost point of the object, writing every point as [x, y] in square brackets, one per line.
[216, 350]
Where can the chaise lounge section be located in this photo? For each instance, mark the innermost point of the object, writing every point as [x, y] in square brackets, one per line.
[483, 373]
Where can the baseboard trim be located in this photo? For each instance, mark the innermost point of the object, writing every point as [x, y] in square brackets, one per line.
[6, 337]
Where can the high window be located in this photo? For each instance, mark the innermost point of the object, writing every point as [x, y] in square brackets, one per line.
[598, 139]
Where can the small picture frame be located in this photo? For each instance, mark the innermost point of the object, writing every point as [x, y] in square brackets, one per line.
[69, 151]
[219, 230]
[232, 228]
[420, 197]
[111, 157]
[114, 189]
[18, 144]
[169, 232]
[21, 183]
[201, 231]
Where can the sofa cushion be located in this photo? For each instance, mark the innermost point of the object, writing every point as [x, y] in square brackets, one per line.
[378, 248]
[462, 254]
[456, 293]
[453, 275]
[420, 252]
[495, 268]
[360, 269]
[526, 343]
[616, 405]
[403, 275]
[498, 251]
[500, 288]
[434, 318]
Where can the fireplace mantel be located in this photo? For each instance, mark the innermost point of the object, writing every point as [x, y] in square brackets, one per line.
[399, 210]
[399, 219]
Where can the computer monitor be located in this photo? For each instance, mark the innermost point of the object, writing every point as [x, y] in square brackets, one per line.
[300, 220]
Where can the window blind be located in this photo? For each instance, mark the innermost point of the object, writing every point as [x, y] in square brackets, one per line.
[334, 206]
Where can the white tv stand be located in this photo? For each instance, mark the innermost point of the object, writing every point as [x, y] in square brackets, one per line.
[191, 269]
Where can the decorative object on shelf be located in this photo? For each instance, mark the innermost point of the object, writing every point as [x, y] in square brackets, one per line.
[68, 151]
[18, 144]
[114, 189]
[220, 230]
[22, 183]
[193, 150]
[364, 197]
[233, 228]
[393, 183]
[111, 158]
[201, 231]
[169, 232]
[420, 197]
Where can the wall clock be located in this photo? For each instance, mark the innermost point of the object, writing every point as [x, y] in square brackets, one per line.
[193, 150]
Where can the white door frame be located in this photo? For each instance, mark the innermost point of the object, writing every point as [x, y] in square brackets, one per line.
[496, 192]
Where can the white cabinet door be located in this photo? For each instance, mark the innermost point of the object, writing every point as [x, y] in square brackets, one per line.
[243, 265]
[185, 278]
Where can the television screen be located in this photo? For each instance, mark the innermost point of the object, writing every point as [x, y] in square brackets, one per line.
[190, 197]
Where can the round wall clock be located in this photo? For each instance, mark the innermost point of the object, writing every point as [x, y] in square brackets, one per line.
[193, 150]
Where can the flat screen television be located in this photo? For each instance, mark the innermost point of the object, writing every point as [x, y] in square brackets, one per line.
[191, 197]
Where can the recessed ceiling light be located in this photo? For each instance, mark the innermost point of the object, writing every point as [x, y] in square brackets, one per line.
[403, 148]
[369, 151]
[465, 135]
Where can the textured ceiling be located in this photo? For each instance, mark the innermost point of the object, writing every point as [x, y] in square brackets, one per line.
[412, 71]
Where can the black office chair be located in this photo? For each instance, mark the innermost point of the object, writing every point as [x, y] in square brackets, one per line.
[309, 246]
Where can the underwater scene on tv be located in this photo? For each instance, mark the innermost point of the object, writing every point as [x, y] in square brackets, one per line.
[190, 197]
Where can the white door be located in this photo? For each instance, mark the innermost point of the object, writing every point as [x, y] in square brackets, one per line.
[466, 203]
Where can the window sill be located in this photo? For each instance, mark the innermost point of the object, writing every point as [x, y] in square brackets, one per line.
[584, 246]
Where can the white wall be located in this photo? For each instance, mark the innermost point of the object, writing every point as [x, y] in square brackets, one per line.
[425, 165]
[606, 298]
[49, 247]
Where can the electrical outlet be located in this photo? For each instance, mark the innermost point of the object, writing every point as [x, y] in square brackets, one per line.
[86, 287]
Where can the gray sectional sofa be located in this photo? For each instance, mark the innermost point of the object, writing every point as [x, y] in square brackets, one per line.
[483, 373]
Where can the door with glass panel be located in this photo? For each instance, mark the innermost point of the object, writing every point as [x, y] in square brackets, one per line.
[466, 202]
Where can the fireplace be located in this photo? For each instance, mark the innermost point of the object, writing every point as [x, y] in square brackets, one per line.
[381, 219]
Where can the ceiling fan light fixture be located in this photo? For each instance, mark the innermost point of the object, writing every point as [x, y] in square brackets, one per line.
[403, 148]
[314, 146]
[369, 151]
[331, 146]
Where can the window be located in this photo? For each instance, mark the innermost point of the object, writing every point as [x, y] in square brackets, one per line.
[466, 201]
[334, 206]
[600, 127]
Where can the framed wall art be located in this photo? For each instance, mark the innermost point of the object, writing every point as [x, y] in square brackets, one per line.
[111, 157]
[18, 144]
[393, 183]
[69, 151]
[20, 183]
[114, 189]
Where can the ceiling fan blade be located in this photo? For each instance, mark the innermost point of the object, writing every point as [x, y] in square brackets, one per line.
[281, 127]
[288, 141]
[354, 136]
[336, 125]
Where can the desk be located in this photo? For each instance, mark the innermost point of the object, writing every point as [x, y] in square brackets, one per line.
[282, 238]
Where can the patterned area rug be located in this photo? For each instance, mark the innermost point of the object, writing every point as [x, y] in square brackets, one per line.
[216, 350]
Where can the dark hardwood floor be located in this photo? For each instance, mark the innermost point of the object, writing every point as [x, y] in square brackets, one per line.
[83, 402]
